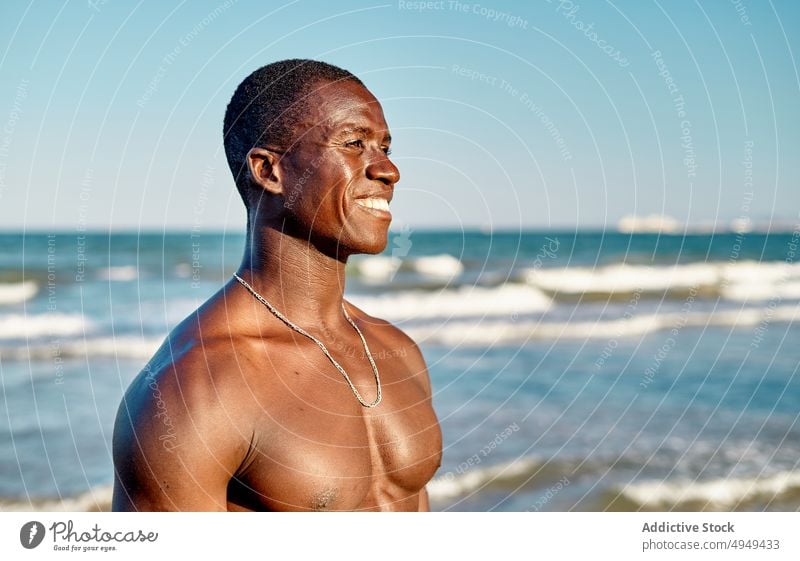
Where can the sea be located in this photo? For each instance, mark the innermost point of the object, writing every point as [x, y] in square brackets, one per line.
[571, 370]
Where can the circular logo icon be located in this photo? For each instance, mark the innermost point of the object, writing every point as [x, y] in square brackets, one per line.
[31, 534]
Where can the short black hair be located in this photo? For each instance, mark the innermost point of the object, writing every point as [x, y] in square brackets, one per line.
[266, 106]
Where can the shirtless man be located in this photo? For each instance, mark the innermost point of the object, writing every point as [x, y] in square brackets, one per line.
[240, 410]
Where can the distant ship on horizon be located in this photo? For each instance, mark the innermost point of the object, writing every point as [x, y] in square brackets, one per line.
[652, 223]
[664, 224]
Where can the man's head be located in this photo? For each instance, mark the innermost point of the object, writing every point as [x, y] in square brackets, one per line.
[308, 146]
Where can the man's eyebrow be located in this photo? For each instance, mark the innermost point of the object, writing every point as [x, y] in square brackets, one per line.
[361, 131]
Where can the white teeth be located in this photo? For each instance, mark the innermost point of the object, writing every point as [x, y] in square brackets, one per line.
[376, 203]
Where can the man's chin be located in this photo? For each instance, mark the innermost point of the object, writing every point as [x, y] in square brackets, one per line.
[371, 247]
[364, 239]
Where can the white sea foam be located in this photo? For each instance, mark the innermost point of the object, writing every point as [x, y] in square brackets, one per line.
[717, 494]
[440, 266]
[451, 486]
[621, 278]
[745, 280]
[97, 499]
[119, 347]
[14, 293]
[377, 267]
[383, 267]
[19, 326]
[459, 302]
[492, 331]
[120, 274]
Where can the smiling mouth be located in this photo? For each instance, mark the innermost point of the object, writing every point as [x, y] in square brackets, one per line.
[375, 205]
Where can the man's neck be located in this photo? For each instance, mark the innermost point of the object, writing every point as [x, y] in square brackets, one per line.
[300, 281]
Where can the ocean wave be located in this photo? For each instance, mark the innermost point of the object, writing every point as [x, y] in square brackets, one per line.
[505, 300]
[376, 267]
[746, 280]
[383, 267]
[20, 326]
[509, 475]
[119, 347]
[714, 495]
[508, 331]
[443, 265]
[97, 499]
[14, 293]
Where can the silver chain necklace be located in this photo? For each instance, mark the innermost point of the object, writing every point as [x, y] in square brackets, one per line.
[321, 345]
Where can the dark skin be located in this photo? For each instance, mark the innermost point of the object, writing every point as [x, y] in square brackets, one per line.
[236, 411]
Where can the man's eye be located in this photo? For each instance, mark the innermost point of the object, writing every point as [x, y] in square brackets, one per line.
[386, 150]
[355, 144]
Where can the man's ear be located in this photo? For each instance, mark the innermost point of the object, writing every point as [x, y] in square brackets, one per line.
[264, 170]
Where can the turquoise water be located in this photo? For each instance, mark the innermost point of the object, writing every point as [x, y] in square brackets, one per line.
[580, 371]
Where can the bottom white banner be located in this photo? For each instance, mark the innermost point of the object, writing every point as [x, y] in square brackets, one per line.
[38, 535]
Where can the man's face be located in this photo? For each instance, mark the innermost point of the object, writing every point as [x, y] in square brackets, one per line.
[337, 176]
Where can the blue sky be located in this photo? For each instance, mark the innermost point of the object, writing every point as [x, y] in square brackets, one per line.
[504, 114]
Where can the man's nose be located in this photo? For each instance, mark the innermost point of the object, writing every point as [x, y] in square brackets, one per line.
[382, 169]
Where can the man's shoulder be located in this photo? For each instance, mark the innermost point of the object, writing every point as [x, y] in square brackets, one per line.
[182, 410]
[190, 373]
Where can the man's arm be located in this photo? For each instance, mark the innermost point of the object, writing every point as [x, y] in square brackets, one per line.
[176, 445]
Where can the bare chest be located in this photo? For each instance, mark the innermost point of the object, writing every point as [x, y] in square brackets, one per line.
[316, 448]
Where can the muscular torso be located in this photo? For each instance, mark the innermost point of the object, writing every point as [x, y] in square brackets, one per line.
[304, 442]
[317, 448]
